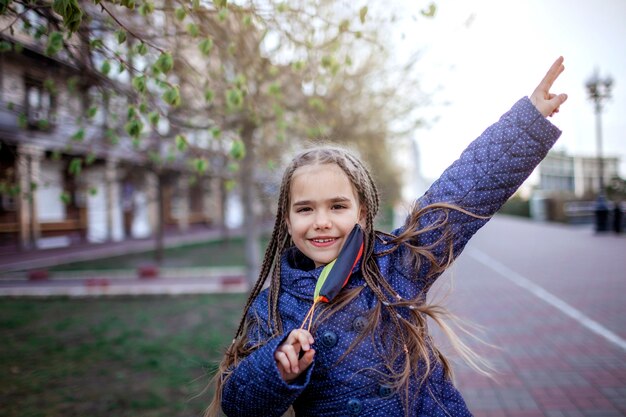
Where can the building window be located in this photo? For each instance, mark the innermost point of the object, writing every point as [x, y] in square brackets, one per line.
[39, 105]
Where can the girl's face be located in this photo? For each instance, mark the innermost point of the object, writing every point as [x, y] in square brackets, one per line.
[323, 210]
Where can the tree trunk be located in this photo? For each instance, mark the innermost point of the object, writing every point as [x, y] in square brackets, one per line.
[249, 199]
[159, 236]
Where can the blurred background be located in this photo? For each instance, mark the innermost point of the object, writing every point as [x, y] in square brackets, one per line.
[142, 146]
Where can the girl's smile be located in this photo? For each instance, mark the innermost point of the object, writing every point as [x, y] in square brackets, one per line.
[323, 209]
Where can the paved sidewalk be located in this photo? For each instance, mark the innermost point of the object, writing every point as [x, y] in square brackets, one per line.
[551, 301]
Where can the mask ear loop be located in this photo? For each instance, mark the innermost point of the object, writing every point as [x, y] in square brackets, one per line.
[309, 315]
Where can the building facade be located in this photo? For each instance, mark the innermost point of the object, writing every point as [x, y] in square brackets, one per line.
[63, 181]
[575, 175]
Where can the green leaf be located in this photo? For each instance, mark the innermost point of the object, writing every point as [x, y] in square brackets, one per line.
[193, 30]
[105, 67]
[216, 132]
[230, 185]
[96, 43]
[363, 13]
[90, 159]
[223, 13]
[22, 121]
[146, 8]
[344, 25]
[297, 66]
[141, 49]
[139, 83]
[205, 46]
[131, 113]
[112, 136]
[154, 157]
[317, 104]
[220, 4]
[121, 36]
[172, 96]
[430, 11]
[153, 117]
[238, 149]
[134, 128]
[209, 95]
[50, 86]
[165, 62]
[55, 43]
[70, 11]
[201, 165]
[65, 197]
[234, 99]
[43, 124]
[79, 135]
[180, 13]
[181, 143]
[92, 111]
[5, 46]
[130, 4]
[195, 4]
[274, 89]
[247, 20]
[76, 166]
[93, 191]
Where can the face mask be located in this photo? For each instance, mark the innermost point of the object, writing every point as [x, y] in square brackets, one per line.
[335, 275]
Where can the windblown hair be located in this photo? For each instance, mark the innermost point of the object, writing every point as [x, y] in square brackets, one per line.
[409, 349]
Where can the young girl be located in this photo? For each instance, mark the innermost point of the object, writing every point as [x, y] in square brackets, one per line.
[368, 351]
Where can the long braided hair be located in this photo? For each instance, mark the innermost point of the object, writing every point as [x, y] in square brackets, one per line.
[407, 341]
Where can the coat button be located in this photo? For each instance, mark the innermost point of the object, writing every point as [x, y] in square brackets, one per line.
[354, 406]
[329, 339]
[359, 324]
[384, 391]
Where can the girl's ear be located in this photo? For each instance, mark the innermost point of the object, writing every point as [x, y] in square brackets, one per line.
[288, 223]
[362, 216]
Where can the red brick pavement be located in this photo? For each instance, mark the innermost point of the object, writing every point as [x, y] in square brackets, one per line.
[549, 365]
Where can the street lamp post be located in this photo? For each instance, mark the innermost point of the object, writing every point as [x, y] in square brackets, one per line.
[599, 90]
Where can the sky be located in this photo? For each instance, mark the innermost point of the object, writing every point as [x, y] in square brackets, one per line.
[480, 56]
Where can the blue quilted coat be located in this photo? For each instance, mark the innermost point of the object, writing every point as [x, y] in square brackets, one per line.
[481, 180]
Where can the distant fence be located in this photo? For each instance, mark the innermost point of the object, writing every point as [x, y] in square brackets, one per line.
[583, 212]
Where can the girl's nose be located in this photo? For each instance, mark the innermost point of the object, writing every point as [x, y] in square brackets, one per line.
[322, 221]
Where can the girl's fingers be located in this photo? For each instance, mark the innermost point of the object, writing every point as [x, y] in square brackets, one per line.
[283, 363]
[307, 359]
[553, 73]
[292, 357]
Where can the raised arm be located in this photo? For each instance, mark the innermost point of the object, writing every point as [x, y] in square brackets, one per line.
[492, 168]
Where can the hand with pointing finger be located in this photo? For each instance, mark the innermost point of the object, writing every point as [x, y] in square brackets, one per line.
[546, 102]
[288, 356]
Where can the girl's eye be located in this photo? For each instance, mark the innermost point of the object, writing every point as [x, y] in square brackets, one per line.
[339, 207]
[302, 209]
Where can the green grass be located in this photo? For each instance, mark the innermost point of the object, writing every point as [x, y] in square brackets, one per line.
[124, 356]
[206, 254]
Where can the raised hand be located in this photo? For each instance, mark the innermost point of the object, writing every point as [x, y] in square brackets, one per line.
[546, 102]
[287, 356]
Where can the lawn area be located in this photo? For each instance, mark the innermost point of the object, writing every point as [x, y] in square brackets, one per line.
[123, 356]
[206, 254]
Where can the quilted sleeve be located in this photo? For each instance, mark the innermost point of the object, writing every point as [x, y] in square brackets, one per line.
[255, 387]
[486, 174]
